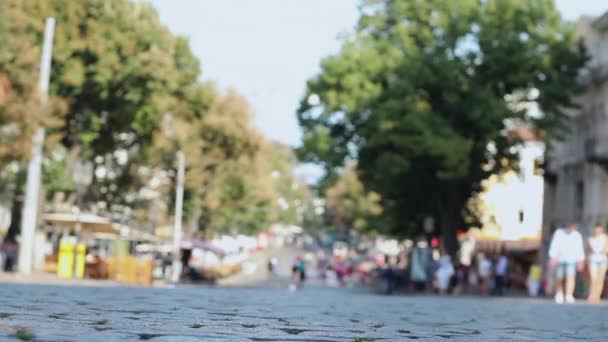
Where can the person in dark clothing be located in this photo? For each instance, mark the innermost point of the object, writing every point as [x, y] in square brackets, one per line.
[10, 250]
[302, 270]
[185, 259]
[500, 273]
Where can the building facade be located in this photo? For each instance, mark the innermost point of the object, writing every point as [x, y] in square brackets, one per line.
[576, 173]
[510, 204]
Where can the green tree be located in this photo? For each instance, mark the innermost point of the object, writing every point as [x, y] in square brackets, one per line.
[20, 112]
[239, 180]
[349, 205]
[126, 97]
[19, 109]
[116, 71]
[229, 186]
[291, 194]
[422, 92]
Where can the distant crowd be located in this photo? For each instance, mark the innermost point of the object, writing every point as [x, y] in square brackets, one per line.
[571, 260]
[573, 263]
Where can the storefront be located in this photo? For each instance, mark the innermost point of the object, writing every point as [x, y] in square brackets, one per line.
[87, 245]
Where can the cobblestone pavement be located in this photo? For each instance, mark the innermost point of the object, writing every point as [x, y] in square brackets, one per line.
[61, 313]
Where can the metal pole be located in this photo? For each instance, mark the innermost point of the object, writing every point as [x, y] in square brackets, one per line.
[177, 225]
[30, 205]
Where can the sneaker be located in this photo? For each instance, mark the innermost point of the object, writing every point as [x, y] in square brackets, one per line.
[559, 298]
[570, 299]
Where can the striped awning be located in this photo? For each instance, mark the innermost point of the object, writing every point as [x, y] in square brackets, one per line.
[88, 223]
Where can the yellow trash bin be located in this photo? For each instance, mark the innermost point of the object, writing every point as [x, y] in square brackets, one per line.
[65, 261]
[81, 254]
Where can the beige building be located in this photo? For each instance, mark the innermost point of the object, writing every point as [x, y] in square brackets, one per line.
[576, 176]
[511, 203]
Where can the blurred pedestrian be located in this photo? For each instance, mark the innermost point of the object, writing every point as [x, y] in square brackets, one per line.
[10, 250]
[444, 273]
[322, 264]
[298, 272]
[566, 254]
[420, 265]
[500, 274]
[598, 248]
[484, 272]
[387, 281]
[302, 270]
[331, 278]
[534, 278]
[273, 264]
[466, 253]
[473, 278]
[340, 270]
[295, 271]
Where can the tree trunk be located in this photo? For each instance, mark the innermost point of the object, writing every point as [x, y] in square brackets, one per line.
[450, 216]
[451, 205]
[451, 240]
[449, 229]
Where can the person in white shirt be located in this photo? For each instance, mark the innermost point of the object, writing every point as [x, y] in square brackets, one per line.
[465, 269]
[598, 263]
[566, 254]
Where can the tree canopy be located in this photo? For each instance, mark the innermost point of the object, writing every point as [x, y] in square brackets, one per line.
[125, 96]
[349, 205]
[422, 92]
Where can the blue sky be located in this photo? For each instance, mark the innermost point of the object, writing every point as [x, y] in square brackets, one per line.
[267, 49]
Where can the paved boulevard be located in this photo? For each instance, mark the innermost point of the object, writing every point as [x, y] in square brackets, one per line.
[61, 313]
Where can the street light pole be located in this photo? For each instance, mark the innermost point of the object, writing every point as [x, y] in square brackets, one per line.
[30, 206]
[177, 225]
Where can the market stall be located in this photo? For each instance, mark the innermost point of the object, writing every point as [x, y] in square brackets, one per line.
[87, 245]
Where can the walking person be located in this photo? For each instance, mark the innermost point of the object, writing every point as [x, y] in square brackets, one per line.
[484, 271]
[444, 274]
[534, 279]
[10, 250]
[500, 273]
[296, 277]
[466, 260]
[302, 271]
[272, 266]
[598, 262]
[566, 254]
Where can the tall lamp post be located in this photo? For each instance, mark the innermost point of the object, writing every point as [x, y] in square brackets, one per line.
[30, 206]
[176, 269]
